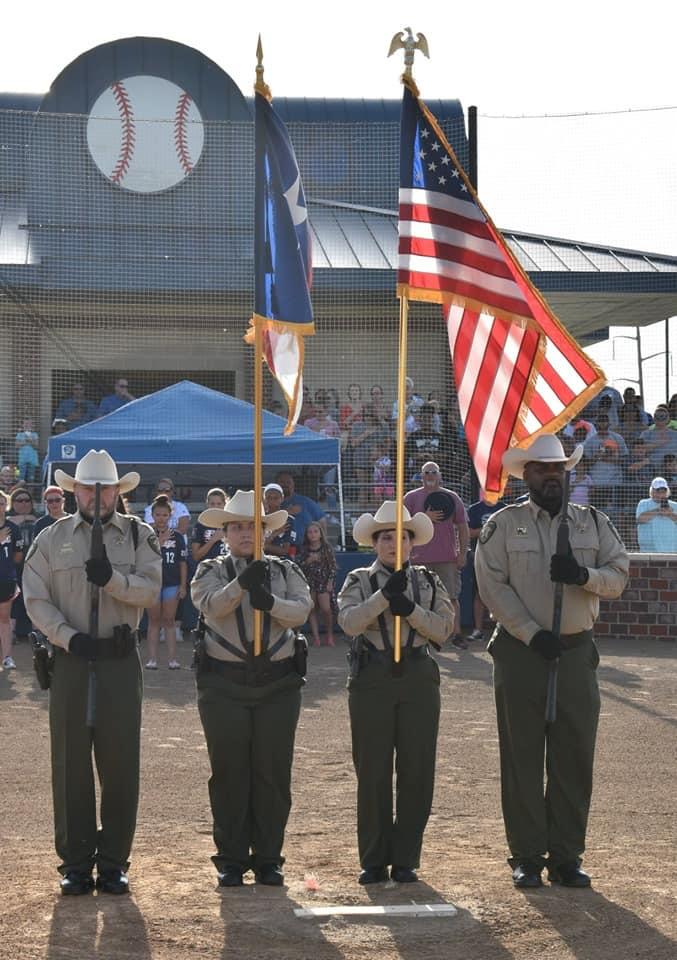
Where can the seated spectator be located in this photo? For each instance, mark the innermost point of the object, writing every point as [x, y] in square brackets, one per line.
[383, 472]
[27, 448]
[363, 435]
[632, 401]
[413, 406]
[353, 409]
[180, 516]
[115, 400]
[660, 437]
[657, 520]
[609, 401]
[630, 423]
[53, 499]
[208, 543]
[425, 444]
[593, 442]
[76, 409]
[333, 403]
[321, 423]
[670, 469]
[606, 474]
[378, 406]
[280, 542]
[59, 425]
[579, 430]
[639, 469]
[303, 509]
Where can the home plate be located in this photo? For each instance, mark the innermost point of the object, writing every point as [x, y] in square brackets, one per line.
[396, 910]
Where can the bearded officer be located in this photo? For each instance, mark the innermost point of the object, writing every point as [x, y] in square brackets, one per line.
[394, 709]
[59, 578]
[516, 567]
[249, 705]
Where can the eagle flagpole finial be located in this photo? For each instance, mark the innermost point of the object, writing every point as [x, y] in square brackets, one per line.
[410, 46]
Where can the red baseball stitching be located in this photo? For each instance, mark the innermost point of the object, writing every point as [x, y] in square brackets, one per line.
[180, 137]
[128, 138]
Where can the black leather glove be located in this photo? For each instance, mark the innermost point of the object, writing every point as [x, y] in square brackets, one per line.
[82, 645]
[547, 644]
[99, 571]
[261, 599]
[395, 584]
[401, 606]
[567, 569]
[253, 575]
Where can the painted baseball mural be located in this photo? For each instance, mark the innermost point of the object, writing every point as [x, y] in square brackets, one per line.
[145, 134]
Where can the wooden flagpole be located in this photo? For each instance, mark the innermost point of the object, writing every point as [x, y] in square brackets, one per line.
[262, 88]
[407, 42]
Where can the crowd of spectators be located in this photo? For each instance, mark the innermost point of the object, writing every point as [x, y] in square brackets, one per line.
[366, 425]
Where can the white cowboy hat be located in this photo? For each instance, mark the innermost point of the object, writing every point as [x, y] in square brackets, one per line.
[544, 449]
[240, 507]
[97, 466]
[420, 526]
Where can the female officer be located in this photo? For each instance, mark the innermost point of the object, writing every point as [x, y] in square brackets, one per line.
[249, 705]
[393, 708]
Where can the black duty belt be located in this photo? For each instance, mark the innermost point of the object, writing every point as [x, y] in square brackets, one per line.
[569, 640]
[386, 656]
[255, 673]
[109, 648]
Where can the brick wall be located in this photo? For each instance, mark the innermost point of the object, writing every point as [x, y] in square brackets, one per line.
[648, 606]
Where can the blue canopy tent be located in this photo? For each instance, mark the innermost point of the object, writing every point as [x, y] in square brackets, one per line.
[196, 436]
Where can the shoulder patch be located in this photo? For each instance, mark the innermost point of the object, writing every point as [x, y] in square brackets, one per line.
[487, 531]
[154, 544]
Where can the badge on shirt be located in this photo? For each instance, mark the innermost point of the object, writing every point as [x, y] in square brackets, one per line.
[522, 532]
[487, 531]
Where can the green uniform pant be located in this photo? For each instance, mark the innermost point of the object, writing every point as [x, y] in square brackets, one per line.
[394, 718]
[115, 740]
[553, 821]
[250, 738]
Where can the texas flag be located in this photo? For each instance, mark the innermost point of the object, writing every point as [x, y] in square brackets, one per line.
[282, 257]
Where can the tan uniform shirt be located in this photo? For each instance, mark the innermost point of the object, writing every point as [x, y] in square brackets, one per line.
[55, 586]
[217, 599]
[359, 607]
[512, 565]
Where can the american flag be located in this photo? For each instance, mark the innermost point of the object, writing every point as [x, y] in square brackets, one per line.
[282, 257]
[518, 372]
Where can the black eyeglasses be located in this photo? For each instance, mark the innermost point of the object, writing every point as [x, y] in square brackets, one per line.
[22, 500]
[53, 499]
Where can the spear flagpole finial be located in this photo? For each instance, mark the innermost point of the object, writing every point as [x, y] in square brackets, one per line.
[261, 86]
[410, 44]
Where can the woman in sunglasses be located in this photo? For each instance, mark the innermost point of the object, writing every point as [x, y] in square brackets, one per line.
[53, 499]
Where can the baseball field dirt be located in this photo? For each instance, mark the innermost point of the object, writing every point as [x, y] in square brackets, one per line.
[176, 910]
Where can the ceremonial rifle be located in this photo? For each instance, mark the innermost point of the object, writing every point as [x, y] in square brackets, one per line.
[562, 549]
[96, 553]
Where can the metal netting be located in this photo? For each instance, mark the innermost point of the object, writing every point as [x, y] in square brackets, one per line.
[151, 283]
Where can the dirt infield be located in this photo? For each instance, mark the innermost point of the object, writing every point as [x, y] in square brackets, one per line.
[176, 910]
